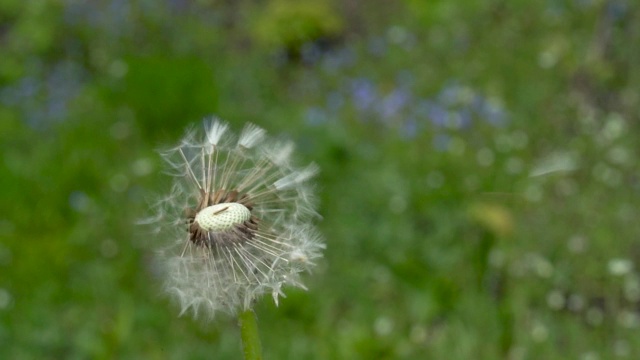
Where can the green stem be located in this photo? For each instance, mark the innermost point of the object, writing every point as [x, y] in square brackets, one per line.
[249, 333]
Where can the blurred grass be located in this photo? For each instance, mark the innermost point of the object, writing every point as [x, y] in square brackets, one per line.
[479, 178]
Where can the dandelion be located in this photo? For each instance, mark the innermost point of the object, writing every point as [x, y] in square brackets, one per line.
[237, 219]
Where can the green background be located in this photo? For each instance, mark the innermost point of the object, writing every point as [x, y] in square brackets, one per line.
[479, 185]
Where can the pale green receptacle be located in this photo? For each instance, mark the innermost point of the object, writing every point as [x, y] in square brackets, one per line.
[221, 217]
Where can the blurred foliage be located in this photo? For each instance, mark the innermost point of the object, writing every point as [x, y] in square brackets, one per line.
[185, 87]
[479, 180]
[290, 25]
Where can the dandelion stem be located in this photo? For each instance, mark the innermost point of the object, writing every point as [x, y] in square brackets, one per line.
[249, 333]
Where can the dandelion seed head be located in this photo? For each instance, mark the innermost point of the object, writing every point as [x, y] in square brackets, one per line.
[236, 223]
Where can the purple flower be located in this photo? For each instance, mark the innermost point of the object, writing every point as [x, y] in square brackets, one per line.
[437, 113]
[363, 93]
[489, 112]
[393, 103]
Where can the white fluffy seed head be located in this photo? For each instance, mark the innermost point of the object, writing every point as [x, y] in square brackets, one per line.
[236, 224]
[222, 217]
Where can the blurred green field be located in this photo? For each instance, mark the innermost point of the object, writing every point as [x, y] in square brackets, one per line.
[479, 185]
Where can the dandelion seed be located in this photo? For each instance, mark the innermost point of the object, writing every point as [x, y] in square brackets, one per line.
[237, 220]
